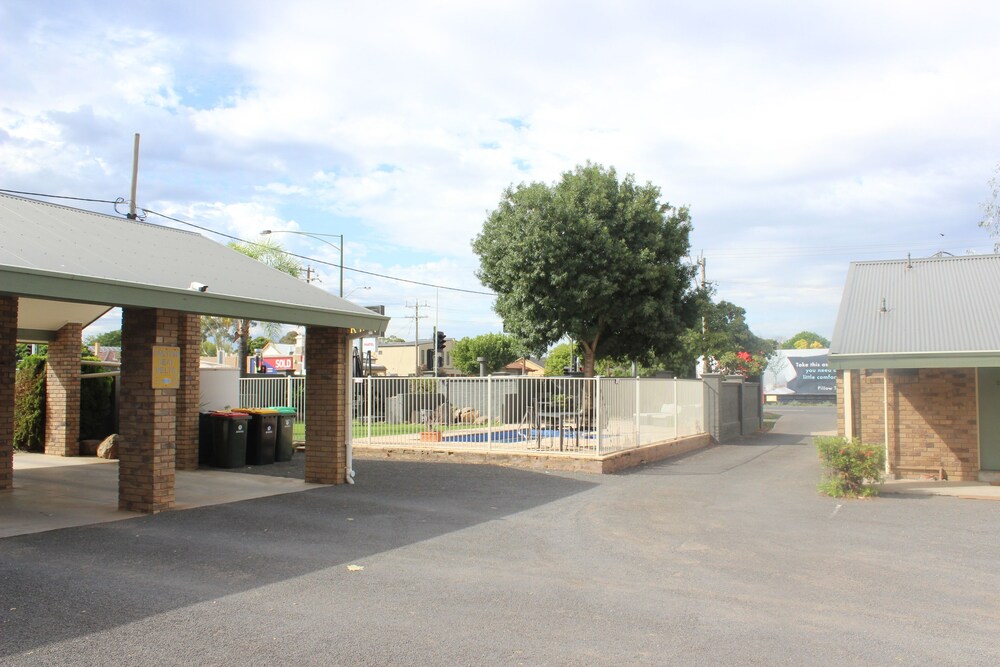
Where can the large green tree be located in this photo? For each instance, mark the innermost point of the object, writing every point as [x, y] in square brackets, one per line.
[106, 339]
[593, 258]
[559, 359]
[498, 349]
[217, 333]
[269, 252]
[728, 342]
[804, 340]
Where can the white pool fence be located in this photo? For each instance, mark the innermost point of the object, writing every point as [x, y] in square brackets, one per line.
[593, 416]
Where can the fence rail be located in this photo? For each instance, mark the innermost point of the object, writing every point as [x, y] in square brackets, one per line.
[589, 416]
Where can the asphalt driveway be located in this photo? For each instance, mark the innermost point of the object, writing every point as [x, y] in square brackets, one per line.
[725, 556]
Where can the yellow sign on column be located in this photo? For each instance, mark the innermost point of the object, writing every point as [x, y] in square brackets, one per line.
[166, 367]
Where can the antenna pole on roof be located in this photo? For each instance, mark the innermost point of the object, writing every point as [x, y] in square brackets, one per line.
[135, 177]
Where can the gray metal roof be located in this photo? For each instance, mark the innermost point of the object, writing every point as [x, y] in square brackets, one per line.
[920, 313]
[56, 253]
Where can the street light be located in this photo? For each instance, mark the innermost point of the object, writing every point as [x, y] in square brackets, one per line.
[357, 289]
[317, 237]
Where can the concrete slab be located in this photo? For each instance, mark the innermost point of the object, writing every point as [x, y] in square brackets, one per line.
[52, 492]
[930, 487]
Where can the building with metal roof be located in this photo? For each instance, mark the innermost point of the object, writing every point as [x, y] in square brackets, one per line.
[916, 346]
[46, 258]
[54, 282]
[940, 312]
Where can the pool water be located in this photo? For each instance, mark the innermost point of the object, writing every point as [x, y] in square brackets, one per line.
[511, 436]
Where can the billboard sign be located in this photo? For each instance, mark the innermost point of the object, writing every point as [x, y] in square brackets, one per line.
[800, 372]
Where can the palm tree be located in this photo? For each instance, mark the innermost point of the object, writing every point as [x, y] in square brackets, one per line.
[274, 255]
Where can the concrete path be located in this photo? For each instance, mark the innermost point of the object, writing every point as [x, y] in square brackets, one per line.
[728, 556]
[52, 492]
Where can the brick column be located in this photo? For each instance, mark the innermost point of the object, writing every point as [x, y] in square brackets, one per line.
[147, 416]
[8, 361]
[62, 392]
[189, 393]
[326, 405]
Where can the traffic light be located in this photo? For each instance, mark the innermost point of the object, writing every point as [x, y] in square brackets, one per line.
[440, 341]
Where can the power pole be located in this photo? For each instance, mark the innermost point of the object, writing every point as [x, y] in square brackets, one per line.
[416, 317]
[310, 274]
[434, 340]
[135, 178]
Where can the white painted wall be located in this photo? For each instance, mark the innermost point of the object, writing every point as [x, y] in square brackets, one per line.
[220, 389]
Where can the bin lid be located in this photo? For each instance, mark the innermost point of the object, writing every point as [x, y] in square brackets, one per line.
[256, 411]
[282, 409]
[231, 415]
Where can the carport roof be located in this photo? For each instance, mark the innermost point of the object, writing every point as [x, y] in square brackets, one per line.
[940, 312]
[53, 255]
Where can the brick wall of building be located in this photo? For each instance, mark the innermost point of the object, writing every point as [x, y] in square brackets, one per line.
[189, 393]
[147, 416]
[932, 419]
[326, 405]
[62, 392]
[871, 407]
[933, 422]
[8, 360]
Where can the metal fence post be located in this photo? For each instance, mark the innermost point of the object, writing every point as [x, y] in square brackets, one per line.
[638, 397]
[489, 412]
[288, 390]
[677, 409]
[597, 412]
[370, 392]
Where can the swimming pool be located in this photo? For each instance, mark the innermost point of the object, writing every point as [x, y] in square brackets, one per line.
[512, 435]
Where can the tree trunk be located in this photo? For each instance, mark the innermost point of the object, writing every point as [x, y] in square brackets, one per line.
[589, 357]
[244, 332]
[589, 361]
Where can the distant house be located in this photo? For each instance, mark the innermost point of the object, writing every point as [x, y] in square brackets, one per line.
[525, 366]
[916, 348]
[106, 352]
[402, 359]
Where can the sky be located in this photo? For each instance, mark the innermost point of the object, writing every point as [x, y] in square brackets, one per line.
[801, 135]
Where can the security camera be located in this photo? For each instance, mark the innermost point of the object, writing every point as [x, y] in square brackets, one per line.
[198, 287]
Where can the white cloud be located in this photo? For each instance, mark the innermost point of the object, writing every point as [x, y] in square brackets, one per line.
[786, 126]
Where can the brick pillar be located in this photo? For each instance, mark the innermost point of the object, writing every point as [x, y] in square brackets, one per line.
[189, 393]
[326, 405]
[62, 392]
[8, 361]
[146, 451]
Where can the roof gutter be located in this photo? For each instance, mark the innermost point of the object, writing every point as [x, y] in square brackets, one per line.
[84, 289]
[962, 359]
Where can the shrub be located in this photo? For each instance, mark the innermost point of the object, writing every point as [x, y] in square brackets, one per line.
[97, 403]
[29, 404]
[849, 464]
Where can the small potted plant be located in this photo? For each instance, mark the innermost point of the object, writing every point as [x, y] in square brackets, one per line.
[429, 434]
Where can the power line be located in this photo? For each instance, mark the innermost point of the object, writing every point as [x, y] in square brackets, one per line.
[241, 240]
[320, 261]
[41, 194]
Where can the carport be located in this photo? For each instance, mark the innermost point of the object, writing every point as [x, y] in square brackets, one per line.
[61, 268]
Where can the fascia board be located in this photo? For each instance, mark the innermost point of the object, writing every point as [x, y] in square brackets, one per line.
[964, 359]
[67, 287]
